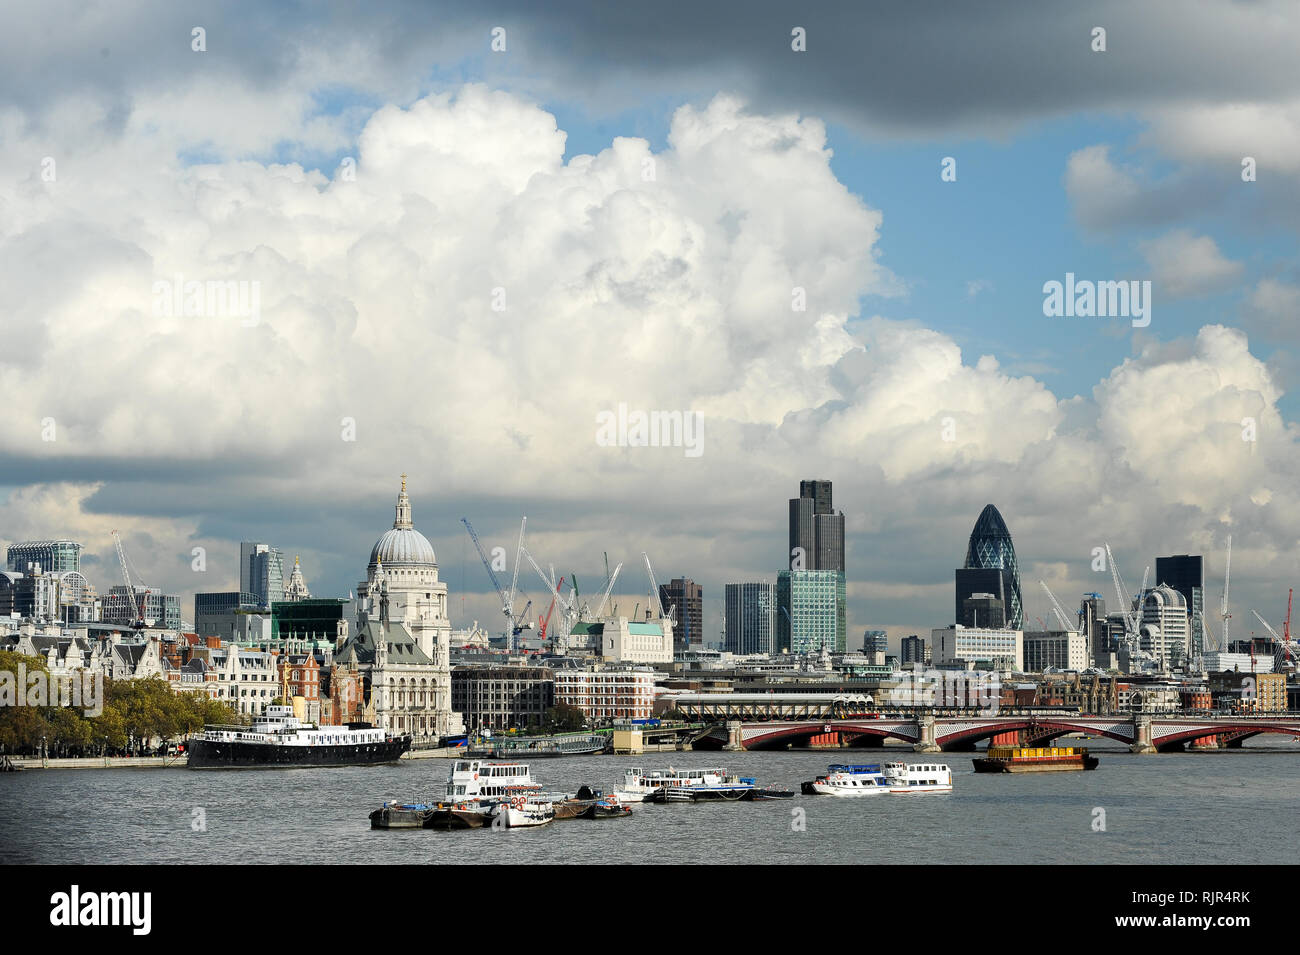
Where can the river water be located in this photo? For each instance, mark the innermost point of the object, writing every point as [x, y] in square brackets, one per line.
[1229, 807]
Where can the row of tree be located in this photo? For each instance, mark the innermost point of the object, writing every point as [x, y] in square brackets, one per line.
[136, 716]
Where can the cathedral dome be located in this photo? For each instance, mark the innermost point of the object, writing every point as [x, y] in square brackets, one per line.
[403, 545]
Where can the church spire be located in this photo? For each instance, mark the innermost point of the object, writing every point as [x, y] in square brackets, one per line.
[403, 519]
[296, 589]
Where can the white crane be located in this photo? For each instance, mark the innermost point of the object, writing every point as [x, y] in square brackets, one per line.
[130, 589]
[608, 589]
[514, 581]
[1212, 643]
[1130, 625]
[1056, 607]
[1223, 605]
[1264, 622]
[569, 611]
[654, 585]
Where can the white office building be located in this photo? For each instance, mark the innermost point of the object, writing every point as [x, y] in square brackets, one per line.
[1055, 650]
[977, 648]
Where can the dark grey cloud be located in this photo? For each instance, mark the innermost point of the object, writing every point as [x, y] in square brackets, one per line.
[901, 68]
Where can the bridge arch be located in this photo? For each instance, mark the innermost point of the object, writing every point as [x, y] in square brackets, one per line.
[1239, 731]
[1054, 728]
[781, 735]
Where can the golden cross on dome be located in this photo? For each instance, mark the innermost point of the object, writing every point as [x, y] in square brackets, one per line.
[403, 482]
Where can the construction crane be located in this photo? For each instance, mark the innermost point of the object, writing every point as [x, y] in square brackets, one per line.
[1056, 606]
[1285, 650]
[139, 623]
[1288, 644]
[609, 587]
[654, 586]
[547, 619]
[1130, 628]
[1223, 605]
[570, 608]
[1205, 624]
[1264, 623]
[514, 581]
[516, 624]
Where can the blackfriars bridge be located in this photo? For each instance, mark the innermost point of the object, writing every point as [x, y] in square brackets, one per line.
[777, 721]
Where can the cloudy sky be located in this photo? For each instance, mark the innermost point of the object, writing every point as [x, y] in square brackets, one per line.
[462, 255]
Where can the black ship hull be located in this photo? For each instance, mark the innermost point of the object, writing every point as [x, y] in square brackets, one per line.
[206, 754]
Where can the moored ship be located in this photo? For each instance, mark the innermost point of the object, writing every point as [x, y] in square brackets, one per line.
[906, 778]
[848, 781]
[1023, 759]
[893, 778]
[687, 785]
[279, 740]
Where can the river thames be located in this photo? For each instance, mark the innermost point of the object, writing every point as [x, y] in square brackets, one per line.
[1228, 807]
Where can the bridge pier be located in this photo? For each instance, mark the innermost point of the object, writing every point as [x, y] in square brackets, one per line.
[1141, 734]
[926, 743]
[735, 742]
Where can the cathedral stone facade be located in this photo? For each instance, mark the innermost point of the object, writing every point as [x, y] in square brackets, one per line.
[401, 647]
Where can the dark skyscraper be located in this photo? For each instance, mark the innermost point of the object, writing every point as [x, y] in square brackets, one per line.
[980, 580]
[990, 548]
[751, 621]
[688, 597]
[816, 529]
[1185, 573]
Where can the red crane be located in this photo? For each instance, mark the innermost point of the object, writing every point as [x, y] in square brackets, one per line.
[547, 618]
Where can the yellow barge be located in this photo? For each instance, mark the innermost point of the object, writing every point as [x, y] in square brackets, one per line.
[1023, 759]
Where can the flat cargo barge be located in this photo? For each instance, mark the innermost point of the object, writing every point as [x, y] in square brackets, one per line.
[1022, 759]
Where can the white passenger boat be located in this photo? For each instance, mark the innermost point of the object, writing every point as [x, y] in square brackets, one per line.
[480, 781]
[849, 781]
[918, 778]
[685, 785]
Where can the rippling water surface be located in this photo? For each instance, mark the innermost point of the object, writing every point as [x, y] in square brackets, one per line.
[1232, 807]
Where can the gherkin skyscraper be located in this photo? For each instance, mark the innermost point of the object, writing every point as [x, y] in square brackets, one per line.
[990, 547]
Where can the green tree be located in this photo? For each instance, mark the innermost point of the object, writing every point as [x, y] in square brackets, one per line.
[109, 728]
[69, 730]
[22, 727]
[563, 718]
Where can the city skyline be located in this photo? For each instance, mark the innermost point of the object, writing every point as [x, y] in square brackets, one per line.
[629, 592]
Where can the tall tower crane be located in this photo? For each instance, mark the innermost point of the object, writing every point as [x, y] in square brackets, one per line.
[516, 624]
[139, 623]
[604, 599]
[570, 614]
[547, 619]
[1223, 605]
[1130, 624]
[654, 584]
[1056, 606]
